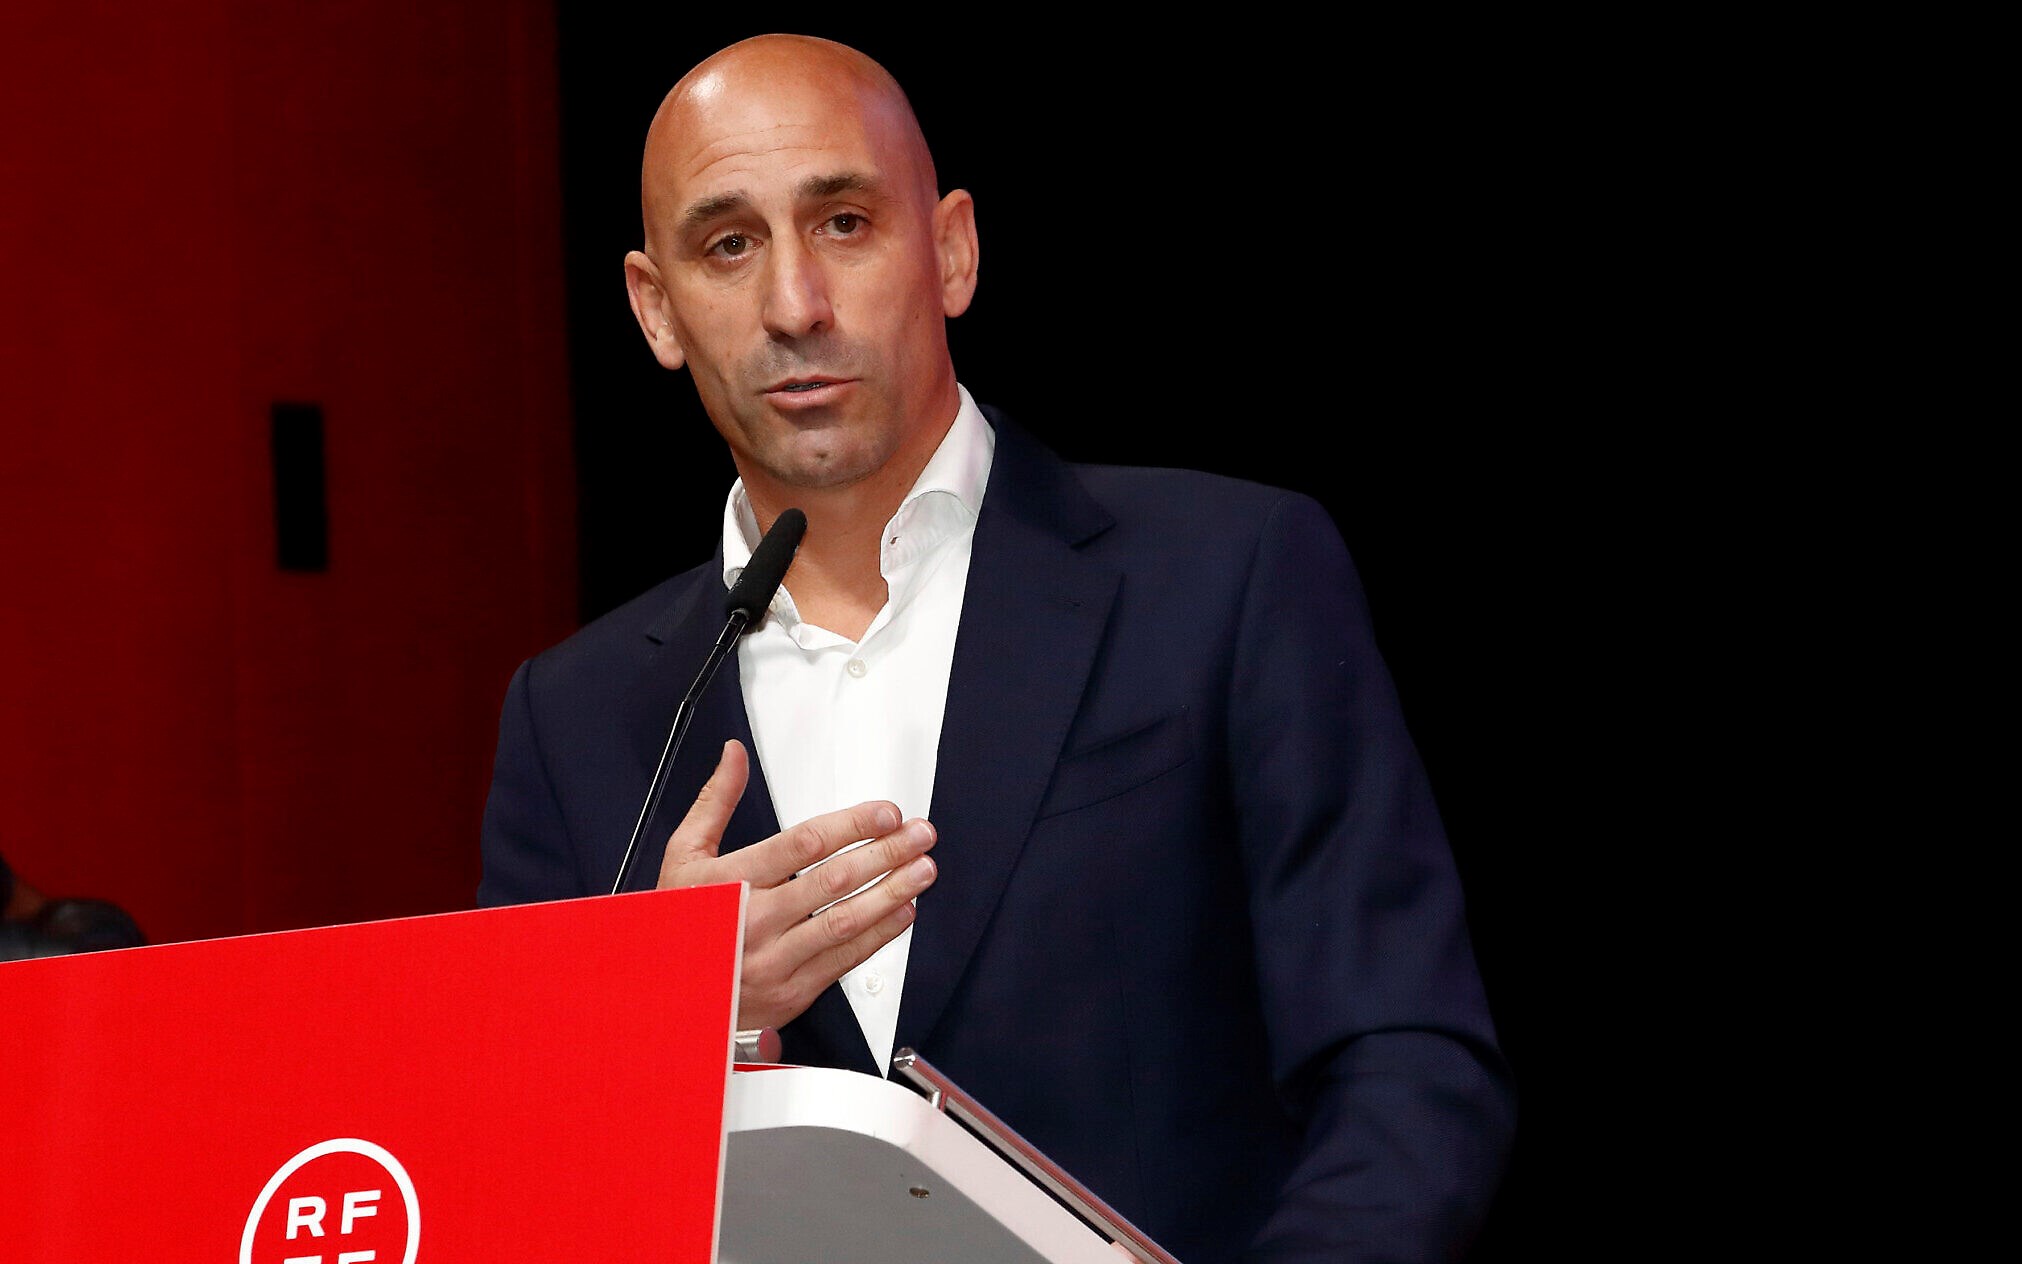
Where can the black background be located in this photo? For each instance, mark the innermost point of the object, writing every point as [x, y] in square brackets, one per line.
[1382, 264]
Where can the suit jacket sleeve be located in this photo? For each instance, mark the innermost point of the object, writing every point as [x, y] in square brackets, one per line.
[1379, 1033]
[528, 855]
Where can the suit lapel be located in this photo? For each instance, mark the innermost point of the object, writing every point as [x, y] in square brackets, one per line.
[1032, 620]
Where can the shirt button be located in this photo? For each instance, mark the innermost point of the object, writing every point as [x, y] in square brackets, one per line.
[855, 667]
[874, 983]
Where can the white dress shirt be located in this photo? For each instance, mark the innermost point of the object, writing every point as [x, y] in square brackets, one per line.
[837, 723]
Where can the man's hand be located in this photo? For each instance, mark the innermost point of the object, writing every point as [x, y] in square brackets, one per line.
[790, 953]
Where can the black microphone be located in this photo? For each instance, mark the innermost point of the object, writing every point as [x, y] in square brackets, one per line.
[752, 592]
[743, 608]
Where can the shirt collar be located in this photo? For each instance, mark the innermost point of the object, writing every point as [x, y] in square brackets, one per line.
[943, 502]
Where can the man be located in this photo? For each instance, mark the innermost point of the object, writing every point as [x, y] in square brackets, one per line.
[1189, 922]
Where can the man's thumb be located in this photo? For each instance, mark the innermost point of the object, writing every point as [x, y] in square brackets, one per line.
[700, 833]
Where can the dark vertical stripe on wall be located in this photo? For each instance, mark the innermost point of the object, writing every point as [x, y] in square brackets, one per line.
[301, 515]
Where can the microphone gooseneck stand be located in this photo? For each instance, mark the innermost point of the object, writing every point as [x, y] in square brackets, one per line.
[744, 607]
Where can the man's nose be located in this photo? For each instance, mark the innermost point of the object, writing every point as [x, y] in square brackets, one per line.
[796, 292]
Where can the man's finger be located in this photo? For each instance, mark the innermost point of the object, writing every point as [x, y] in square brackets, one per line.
[841, 876]
[844, 936]
[786, 853]
[701, 830]
[830, 940]
[774, 911]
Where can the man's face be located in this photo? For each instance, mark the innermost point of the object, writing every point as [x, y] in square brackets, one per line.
[792, 224]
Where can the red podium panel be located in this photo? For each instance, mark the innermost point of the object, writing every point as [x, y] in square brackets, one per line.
[534, 1083]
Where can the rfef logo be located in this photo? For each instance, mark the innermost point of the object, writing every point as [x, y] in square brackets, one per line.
[343, 1201]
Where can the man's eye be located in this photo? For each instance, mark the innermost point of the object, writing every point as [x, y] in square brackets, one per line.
[732, 244]
[845, 224]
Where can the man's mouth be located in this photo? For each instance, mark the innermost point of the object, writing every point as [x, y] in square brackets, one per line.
[809, 394]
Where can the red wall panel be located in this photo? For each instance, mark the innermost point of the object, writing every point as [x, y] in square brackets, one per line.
[352, 204]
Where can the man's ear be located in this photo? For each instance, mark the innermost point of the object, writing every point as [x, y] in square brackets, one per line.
[650, 307]
[955, 240]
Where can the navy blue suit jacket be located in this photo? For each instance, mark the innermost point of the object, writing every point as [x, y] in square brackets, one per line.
[1197, 932]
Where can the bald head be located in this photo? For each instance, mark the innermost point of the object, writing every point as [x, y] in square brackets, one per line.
[801, 265]
[737, 95]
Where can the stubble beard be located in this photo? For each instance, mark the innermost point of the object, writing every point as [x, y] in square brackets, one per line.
[827, 448]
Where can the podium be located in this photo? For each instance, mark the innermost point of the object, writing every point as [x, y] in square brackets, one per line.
[883, 1171]
[547, 1082]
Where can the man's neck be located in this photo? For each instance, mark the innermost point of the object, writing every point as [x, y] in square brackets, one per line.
[837, 580]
